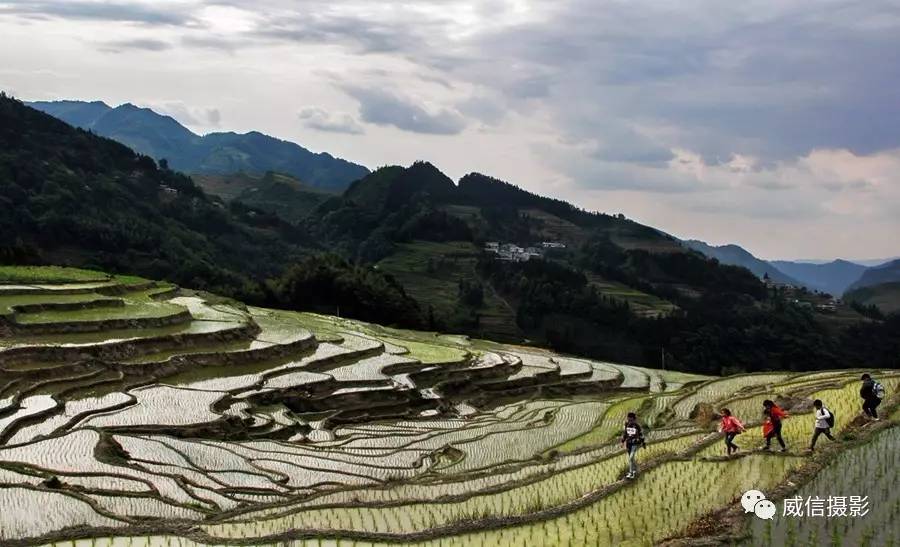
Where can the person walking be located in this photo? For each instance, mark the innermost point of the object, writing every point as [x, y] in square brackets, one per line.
[632, 439]
[872, 392]
[772, 427]
[731, 427]
[824, 423]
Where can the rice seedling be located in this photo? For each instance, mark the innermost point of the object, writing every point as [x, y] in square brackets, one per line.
[411, 432]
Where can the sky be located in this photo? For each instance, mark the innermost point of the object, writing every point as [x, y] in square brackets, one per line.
[774, 125]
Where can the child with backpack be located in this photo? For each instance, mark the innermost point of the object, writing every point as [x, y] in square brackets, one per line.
[824, 423]
[632, 439]
[731, 427]
[772, 427]
[872, 392]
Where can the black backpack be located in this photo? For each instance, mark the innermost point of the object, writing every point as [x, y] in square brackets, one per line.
[830, 419]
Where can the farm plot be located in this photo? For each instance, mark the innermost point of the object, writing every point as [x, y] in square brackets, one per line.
[717, 390]
[130, 311]
[154, 406]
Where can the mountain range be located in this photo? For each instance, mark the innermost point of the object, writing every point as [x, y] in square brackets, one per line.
[286, 179]
[885, 273]
[405, 246]
[738, 256]
[835, 277]
[832, 277]
[162, 137]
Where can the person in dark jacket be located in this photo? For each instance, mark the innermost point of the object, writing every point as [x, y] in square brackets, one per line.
[632, 439]
[870, 399]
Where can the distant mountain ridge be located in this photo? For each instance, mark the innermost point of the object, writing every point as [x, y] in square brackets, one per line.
[886, 273]
[163, 137]
[833, 277]
[736, 255]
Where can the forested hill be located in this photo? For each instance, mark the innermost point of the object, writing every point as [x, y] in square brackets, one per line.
[406, 249]
[162, 137]
[609, 287]
[70, 197]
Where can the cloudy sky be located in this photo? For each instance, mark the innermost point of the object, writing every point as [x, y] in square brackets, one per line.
[772, 124]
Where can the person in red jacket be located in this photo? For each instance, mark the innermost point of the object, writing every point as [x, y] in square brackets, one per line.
[731, 427]
[772, 427]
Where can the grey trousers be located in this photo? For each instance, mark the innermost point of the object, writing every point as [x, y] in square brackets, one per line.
[632, 462]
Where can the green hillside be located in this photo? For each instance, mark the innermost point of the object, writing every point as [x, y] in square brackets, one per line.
[885, 273]
[404, 246]
[271, 192]
[886, 296]
[73, 197]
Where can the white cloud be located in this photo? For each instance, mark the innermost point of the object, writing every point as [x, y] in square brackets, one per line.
[335, 122]
[197, 118]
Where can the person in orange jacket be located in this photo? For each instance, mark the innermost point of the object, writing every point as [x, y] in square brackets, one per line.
[772, 427]
[731, 427]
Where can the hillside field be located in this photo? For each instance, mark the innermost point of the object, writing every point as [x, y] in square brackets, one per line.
[135, 413]
[886, 297]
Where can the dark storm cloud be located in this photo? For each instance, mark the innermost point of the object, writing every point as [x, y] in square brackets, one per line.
[386, 108]
[776, 80]
[130, 12]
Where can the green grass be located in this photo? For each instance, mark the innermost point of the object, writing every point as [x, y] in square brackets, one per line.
[7, 302]
[49, 274]
[640, 302]
[438, 286]
[429, 353]
[131, 310]
[885, 296]
[428, 347]
[138, 305]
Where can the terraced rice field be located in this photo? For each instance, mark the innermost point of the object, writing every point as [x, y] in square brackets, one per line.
[869, 470]
[120, 426]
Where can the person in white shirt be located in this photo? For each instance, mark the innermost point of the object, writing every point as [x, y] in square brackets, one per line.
[824, 423]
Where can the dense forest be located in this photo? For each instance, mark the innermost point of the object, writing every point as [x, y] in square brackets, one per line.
[70, 197]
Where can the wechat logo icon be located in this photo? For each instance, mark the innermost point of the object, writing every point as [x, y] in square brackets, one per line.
[754, 501]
